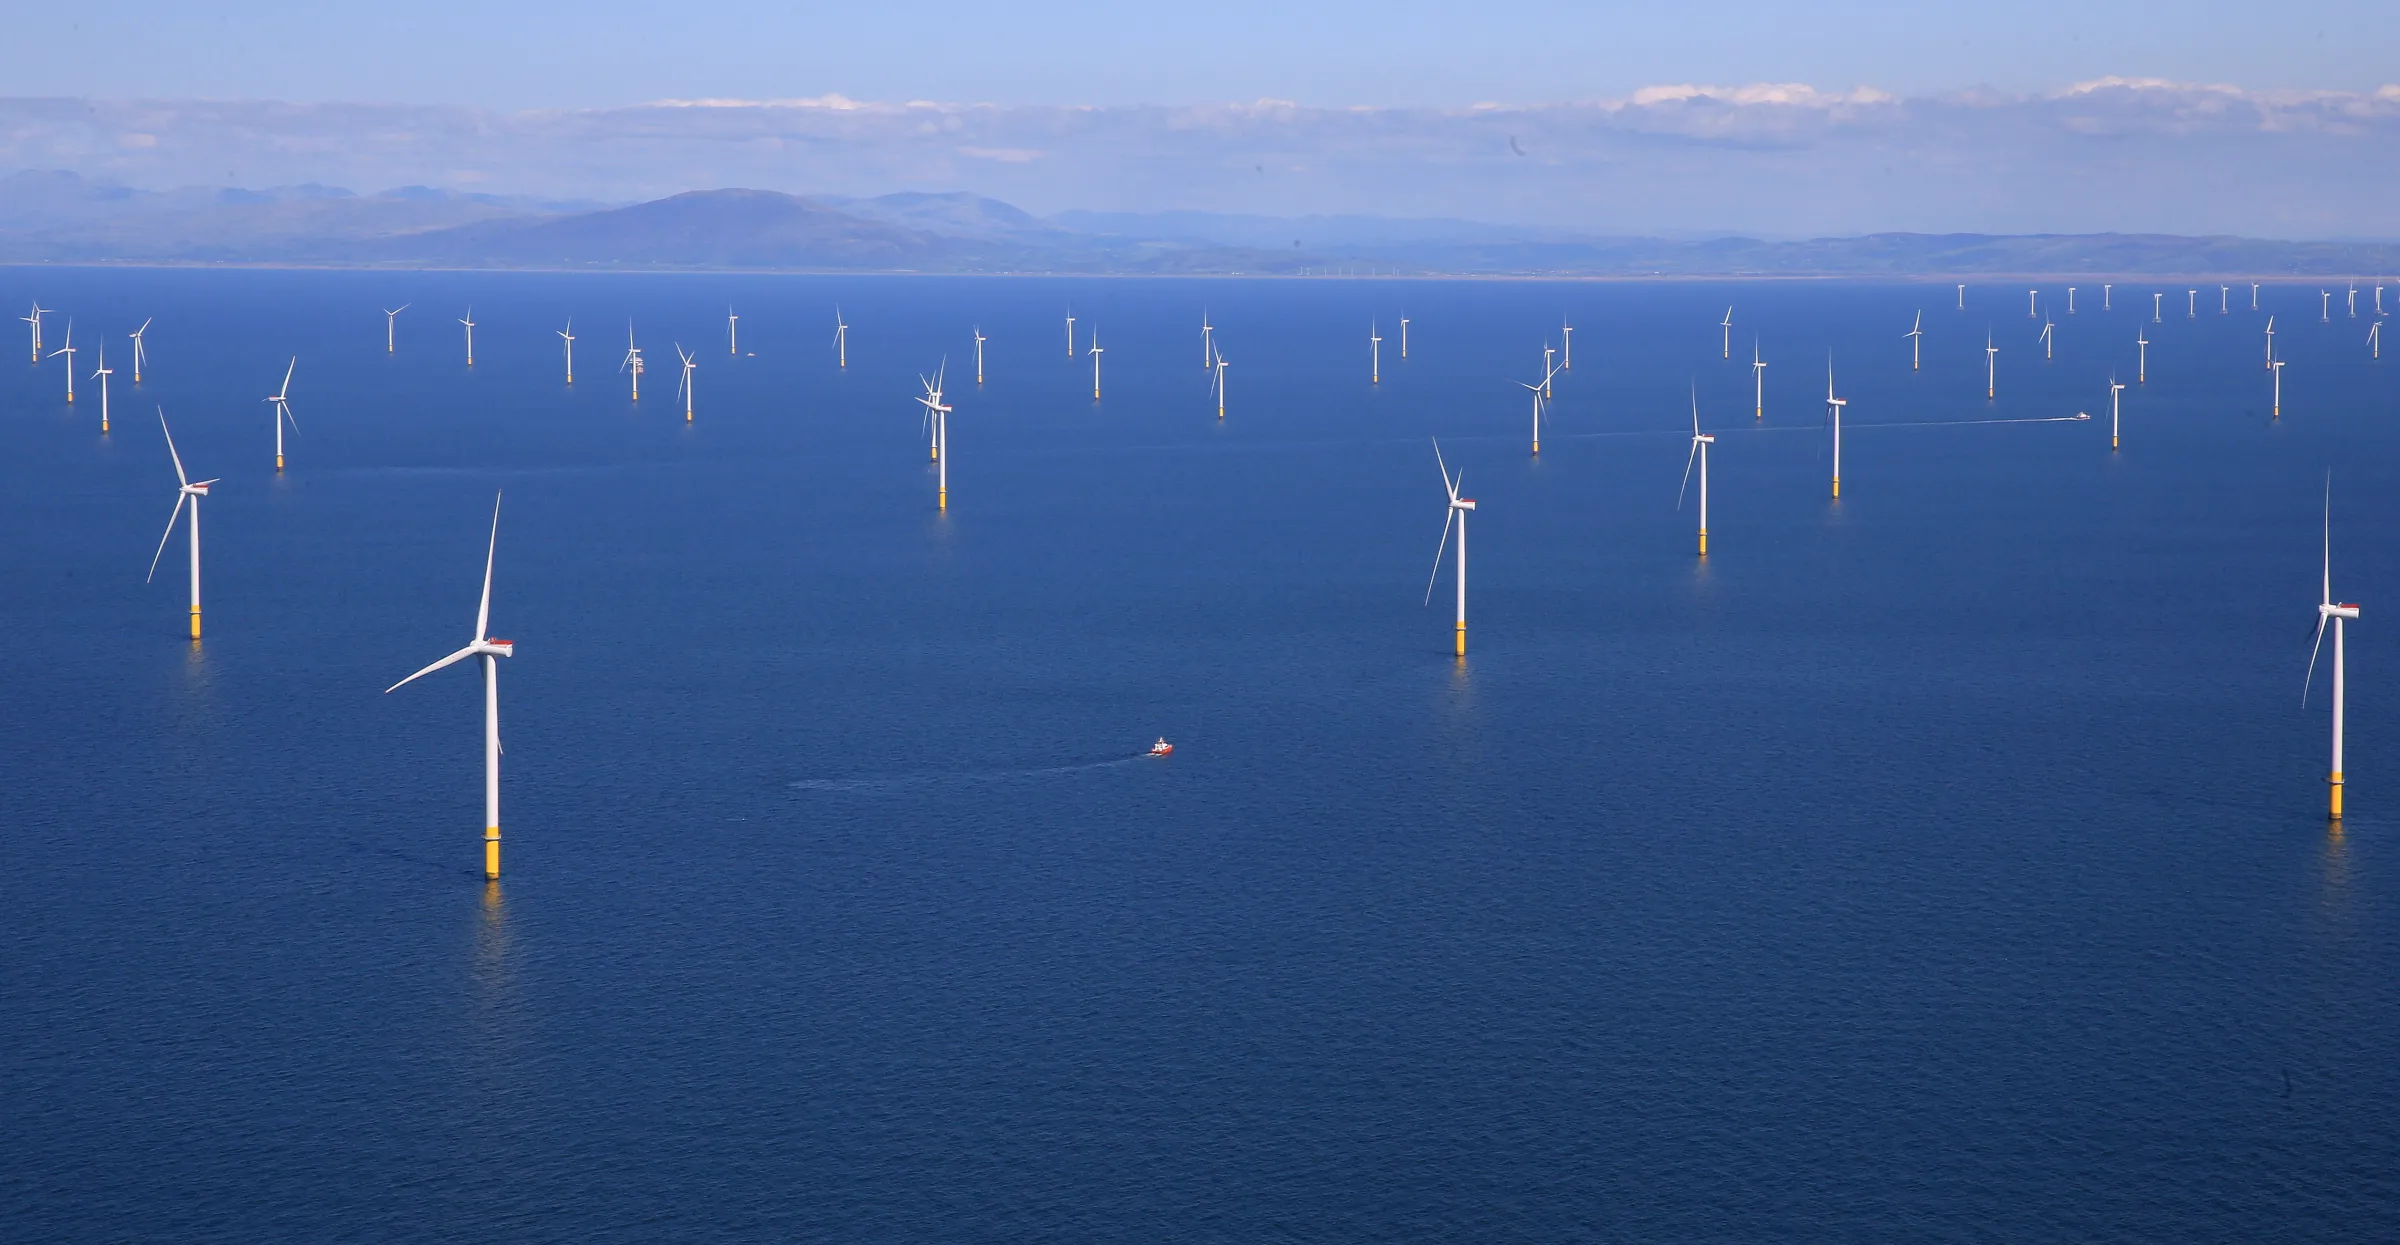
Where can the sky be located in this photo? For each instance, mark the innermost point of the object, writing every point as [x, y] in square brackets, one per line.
[521, 54]
[1734, 116]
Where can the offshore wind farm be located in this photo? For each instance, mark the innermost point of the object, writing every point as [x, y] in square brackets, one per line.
[1954, 802]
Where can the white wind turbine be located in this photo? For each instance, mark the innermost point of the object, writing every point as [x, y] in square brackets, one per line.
[2224, 300]
[1548, 369]
[632, 363]
[139, 356]
[2374, 347]
[2105, 290]
[1758, 382]
[2354, 300]
[281, 399]
[1070, 333]
[937, 415]
[1220, 384]
[841, 338]
[2115, 388]
[2278, 371]
[1096, 352]
[1962, 298]
[2379, 300]
[391, 316]
[2070, 300]
[101, 374]
[683, 387]
[2324, 308]
[567, 336]
[2047, 327]
[2254, 296]
[69, 351]
[2141, 339]
[1460, 507]
[980, 339]
[1566, 353]
[2155, 302]
[2191, 304]
[1541, 399]
[1374, 353]
[2270, 341]
[1208, 341]
[2337, 613]
[733, 336]
[1700, 443]
[1991, 364]
[1404, 322]
[470, 323]
[1833, 408]
[1916, 343]
[36, 321]
[2029, 296]
[186, 489]
[487, 651]
[1727, 325]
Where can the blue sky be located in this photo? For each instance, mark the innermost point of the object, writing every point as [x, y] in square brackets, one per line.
[515, 54]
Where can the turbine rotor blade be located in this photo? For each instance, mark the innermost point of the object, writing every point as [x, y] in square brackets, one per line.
[483, 612]
[2311, 677]
[1688, 459]
[172, 515]
[452, 659]
[1439, 550]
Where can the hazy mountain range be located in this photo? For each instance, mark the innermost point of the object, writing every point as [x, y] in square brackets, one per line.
[62, 217]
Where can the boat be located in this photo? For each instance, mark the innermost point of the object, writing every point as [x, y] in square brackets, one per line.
[1162, 748]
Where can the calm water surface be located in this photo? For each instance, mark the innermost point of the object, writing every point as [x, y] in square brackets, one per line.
[1947, 863]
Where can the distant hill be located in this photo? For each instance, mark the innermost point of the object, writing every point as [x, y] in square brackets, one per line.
[60, 217]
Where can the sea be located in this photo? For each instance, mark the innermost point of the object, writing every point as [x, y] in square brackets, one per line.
[1948, 862]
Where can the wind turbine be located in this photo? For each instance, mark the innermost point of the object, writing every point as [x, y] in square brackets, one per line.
[1208, 342]
[2224, 300]
[1566, 333]
[937, 415]
[1728, 327]
[841, 338]
[2105, 290]
[2254, 296]
[732, 334]
[2354, 300]
[2191, 304]
[2324, 310]
[2379, 300]
[1833, 407]
[139, 357]
[1070, 334]
[390, 315]
[101, 374]
[1220, 384]
[1962, 298]
[632, 362]
[186, 490]
[1758, 382]
[69, 351]
[1404, 322]
[2029, 295]
[2047, 326]
[487, 651]
[1700, 443]
[1375, 353]
[2141, 339]
[470, 323]
[2155, 302]
[2270, 341]
[2374, 345]
[2278, 389]
[36, 321]
[1460, 507]
[1548, 370]
[1096, 352]
[1541, 395]
[567, 334]
[1991, 365]
[283, 410]
[683, 388]
[2070, 300]
[980, 339]
[1916, 343]
[2337, 613]
[2115, 388]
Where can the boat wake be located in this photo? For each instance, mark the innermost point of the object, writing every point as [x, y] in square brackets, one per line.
[939, 777]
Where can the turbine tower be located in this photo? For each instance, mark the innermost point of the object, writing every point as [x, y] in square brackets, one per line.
[1833, 407]
[390, 315]
[567, 335]
[683, 387]
[2141, 339]
[733, 337]
[1991, 365]
[281, 399]
[2047, 326]
[470, 323]
[487, 651]
[2115, 388]
[36, 321]
[1208, 343]
[186, 489]
[980, 339]
[1700, 443]
[2337, 613]
[1220, 384]
[841, 339]
[1374, 354]
[1728, 327]
[1916, 343]
[1096, 352]
[937, 415]
[1566, 334]
[1404, 322]
[69, 351]
[632, 363]
[1070, 333]
[139, 356]
[2278, 389]
[1460, 507]
[2029, 297]
[102, 373]
[1758, 383]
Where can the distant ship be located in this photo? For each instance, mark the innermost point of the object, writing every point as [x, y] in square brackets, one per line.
[1162, 748]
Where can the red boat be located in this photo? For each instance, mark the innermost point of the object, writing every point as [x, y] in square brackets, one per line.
[1162, 748]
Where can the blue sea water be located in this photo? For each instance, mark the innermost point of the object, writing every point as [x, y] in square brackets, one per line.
[1945, 863]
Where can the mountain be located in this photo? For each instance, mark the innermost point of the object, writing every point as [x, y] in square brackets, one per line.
[61, 217]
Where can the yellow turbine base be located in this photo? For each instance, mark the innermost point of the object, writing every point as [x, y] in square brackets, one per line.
[279, 462]
[1462, 639]
[1837, 486]
[104, 427]
[195, 622]
[2112, 440]
[933, 455]
[1704, 542]
[1537, 447]
[2336, 782]
[70, 399]
[491, 852]
[942, 501]
[687, 417]
[137, 378]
